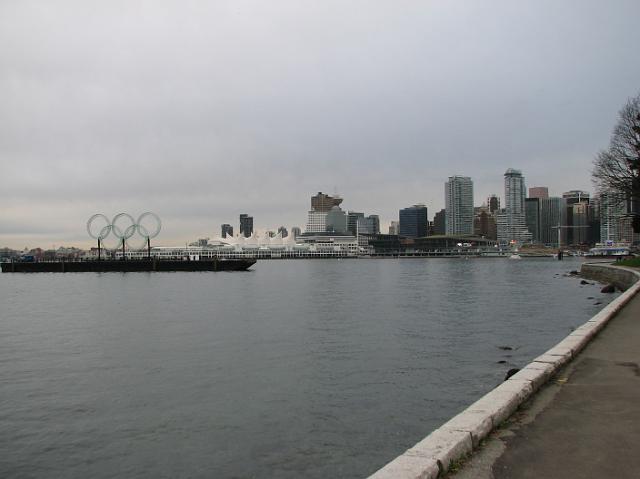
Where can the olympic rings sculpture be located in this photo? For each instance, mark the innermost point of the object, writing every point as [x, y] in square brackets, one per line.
[123, 226]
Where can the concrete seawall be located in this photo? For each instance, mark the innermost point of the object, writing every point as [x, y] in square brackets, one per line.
[458, 437]
[623, 278]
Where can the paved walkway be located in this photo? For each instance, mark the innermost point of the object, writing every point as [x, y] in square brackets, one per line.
[584, 424]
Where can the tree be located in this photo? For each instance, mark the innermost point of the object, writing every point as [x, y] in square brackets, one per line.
[617, 168]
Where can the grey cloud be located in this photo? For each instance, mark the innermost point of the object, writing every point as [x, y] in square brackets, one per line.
[203, 110]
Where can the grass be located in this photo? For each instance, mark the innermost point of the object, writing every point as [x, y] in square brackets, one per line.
[634, 262]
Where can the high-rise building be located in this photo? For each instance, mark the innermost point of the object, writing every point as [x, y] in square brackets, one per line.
[613, 210]
[227, 230]
[413, 221]
[512, 225]
[577, 225]
[493, 203]
[246, 225]
[459, 205]
[322, 202]
[440, 223]
[579, 234]
[594, 221]
[484, 225]
[553, 214]
[540, 192]
[352, 221]
[394, 228]
[532, 216]
[369, 225]
[282, 231]
[295, 232]
[336, 221]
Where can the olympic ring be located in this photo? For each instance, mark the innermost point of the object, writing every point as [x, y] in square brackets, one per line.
[123, 226]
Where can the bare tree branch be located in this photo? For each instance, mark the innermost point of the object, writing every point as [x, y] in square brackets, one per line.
[617, 168]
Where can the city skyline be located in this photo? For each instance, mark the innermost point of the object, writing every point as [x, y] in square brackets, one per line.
[202, 111]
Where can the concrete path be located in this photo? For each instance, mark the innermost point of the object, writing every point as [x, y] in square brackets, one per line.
[584, 424]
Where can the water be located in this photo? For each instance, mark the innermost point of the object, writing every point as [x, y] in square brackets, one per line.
[319, 368]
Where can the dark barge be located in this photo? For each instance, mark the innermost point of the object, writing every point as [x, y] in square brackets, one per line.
[128, 266]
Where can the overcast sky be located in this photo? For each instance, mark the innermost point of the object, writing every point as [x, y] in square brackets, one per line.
[202, 110]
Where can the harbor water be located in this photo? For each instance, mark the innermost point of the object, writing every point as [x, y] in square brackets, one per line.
[308, 368]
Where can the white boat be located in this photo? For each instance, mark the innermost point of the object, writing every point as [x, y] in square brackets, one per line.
[515, 256]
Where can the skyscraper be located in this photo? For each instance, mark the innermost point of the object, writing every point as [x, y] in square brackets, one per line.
[369, 225]
[553, 213]
[576, 216]
[512, 226]
[246, 225]
[321, 204]
[493, 203]
[532, 215]
[413, 221]
[227, 229]
[352, 221]
[459, 205]
[336, 221]
[440, 223]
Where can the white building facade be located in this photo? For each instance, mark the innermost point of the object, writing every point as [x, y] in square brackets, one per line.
[459, 205]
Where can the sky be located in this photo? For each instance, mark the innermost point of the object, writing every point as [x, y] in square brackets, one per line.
[202, 110]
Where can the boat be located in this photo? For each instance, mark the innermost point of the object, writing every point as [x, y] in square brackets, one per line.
[515, 256]
[610, 249]
[128, 266]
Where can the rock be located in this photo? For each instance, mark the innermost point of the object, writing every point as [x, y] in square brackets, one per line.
[610, 288]
[505, 348]
[596, 304]
[590, 297]
[584, 282]
[511, 372]
[502, 361]
[574, 273]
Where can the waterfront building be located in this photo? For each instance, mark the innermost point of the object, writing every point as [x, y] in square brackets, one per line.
[394, 228]
[322, 245]
[413, 221]
[511, 222]
[226, 230]
[440, 222]
[532, 216]
[459, 205]
[493, 203]
[552, 214]
[246, 225]
[296, 231]
[540, 192]
[282, 231]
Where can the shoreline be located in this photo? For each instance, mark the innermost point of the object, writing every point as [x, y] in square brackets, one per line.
[461, 435]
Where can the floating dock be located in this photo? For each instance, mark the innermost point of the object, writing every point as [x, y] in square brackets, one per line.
[127, 266]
